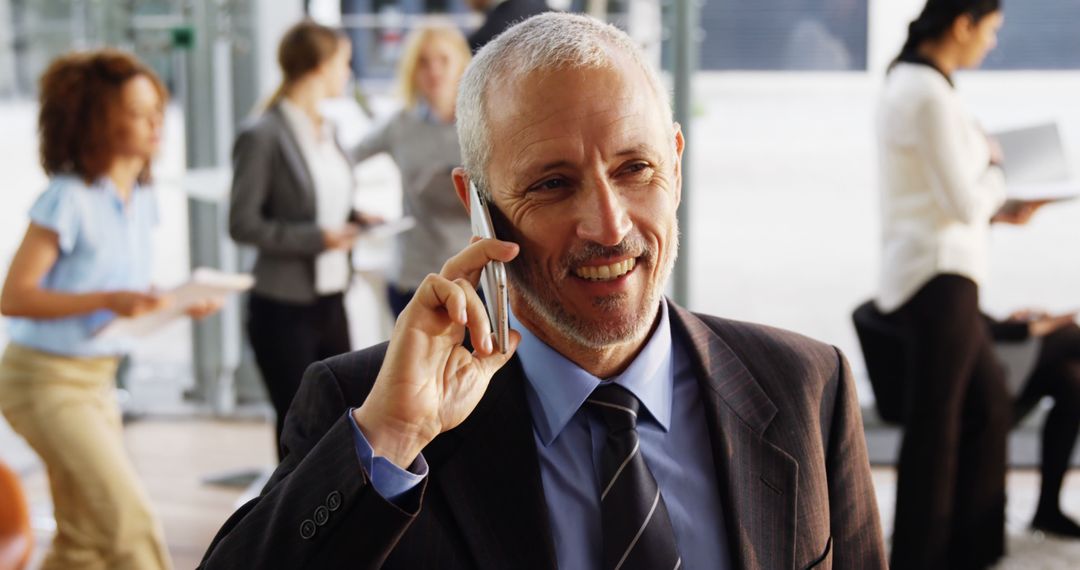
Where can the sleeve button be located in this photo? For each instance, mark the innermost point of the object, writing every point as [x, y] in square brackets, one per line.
[307, 529]
[333, 501]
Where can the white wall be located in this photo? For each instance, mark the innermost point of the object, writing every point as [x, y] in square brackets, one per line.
[888, 30]
[784, 222]
[272, 18]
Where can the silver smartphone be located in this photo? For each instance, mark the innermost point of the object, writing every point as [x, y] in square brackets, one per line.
[493, 277]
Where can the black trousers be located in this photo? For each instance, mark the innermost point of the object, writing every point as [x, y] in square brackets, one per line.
[950, 490]
[1056, 374]
[288, 337]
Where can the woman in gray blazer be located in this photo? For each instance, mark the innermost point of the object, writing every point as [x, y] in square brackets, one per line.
[292, 200]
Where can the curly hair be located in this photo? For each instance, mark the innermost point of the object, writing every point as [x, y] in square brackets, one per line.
[80, 123]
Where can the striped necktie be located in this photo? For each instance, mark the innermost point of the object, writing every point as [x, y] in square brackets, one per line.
[636, 526]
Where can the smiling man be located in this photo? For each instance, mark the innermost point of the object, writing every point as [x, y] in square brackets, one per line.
[618, 430]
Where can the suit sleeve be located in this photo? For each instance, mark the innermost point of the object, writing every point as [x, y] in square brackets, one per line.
[855, 523]
[319, 508]
[253, 155]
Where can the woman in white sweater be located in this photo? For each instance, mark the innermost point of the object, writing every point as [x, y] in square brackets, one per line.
[942, 186]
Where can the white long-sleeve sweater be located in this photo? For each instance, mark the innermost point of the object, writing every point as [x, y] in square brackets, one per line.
[938, 190]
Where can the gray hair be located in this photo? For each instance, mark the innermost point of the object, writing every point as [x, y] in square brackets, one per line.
[552, 40]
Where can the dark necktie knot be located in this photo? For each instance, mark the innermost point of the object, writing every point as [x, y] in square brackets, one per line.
[616, 405]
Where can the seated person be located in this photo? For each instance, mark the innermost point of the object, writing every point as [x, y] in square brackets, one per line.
[1055, 374]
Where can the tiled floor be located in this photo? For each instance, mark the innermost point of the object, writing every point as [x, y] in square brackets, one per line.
[174, 456]
[1027, 551]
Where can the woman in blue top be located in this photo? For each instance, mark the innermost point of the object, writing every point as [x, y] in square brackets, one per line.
[85, 259]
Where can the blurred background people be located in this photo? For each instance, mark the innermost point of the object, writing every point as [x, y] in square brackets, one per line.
[291, 198]
[499, 15]
[422, 140]
[85, 259]
[1041, 352]
[1055, 372]
[941, 186]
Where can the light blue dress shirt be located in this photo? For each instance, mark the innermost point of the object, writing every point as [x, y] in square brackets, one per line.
[391, 481]
[105, 245]
[675, 443]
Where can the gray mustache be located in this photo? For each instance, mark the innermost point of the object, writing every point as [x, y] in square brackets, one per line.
[629, 247]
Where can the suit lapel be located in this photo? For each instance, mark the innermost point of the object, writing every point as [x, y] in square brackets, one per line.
[759, 481]
[490, 476]
[290, 148]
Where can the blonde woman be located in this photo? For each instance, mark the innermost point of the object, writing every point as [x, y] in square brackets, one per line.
[422, 140]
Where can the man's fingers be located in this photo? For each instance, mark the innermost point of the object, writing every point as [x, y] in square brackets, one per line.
[491, 363]
[470, 261]
[438, 293]
[479, 325]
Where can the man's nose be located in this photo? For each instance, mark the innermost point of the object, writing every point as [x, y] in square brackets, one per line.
[603, 217]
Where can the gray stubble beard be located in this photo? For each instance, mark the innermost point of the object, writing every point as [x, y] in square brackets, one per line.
[588, 335]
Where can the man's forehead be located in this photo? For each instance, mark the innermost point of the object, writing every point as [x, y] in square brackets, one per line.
[522, 93]
[545, 106]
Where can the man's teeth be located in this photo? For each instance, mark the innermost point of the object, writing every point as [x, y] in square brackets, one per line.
[606, 272]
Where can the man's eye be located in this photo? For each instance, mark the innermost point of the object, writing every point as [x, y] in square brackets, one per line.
[637, 167]
[551, 184]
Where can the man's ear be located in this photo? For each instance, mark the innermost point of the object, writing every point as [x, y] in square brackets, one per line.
[680, 144]
[461, 186]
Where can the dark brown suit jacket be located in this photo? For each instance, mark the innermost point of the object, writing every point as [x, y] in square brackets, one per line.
[787, 443]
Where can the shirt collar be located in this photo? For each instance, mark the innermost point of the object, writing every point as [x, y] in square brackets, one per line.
[106, 185]
[557, 387]
[424, 111]
[301, 124]
[919, 59]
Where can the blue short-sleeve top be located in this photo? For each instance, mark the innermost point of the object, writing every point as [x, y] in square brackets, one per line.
[105, 245]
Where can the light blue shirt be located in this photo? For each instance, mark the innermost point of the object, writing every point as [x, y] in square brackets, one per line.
[675, 443]
[391, 481]
[105, 245]
[674, 438]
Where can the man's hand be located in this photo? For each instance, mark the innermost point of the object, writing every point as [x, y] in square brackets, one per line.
[429, 383]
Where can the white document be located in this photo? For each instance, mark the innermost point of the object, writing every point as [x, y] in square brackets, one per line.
[1052, 191]
[388, 228]
[1036, 167]
[205, 283]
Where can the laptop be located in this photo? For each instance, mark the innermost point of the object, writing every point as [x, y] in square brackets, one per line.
[1036, 166]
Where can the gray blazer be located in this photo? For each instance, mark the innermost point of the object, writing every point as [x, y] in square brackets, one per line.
[272, 207]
